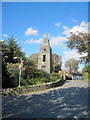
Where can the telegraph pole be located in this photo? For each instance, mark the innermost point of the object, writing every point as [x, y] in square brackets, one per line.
[54, 65]
[71, 69]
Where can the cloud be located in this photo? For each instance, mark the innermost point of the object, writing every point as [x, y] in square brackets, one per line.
[83, 24]
[74, 20]
[34, 41]
[22, 50]
[30, 31]
[73, 54]
[1, 40]
[58, 24]
[5, 35]
[58, 41]
[83, 27]
[79, 69]
[65, 27]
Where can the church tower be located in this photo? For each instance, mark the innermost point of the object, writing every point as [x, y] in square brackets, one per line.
[45, 56]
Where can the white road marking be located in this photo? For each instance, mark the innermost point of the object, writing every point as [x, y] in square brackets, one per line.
[53, 93]
[76, 117]
[58, 93]
[65, 104]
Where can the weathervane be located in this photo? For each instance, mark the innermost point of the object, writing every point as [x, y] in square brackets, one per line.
[46, 34]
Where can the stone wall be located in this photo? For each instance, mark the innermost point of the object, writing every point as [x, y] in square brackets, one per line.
[31, 88]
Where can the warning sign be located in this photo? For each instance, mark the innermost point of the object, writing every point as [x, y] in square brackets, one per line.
[20, 64]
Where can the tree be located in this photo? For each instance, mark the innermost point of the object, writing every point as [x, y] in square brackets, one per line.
[86, 72]
[13, 72]
[56, 62]
[14, 50]
[34, 58]
[4, 53]
[29, 65]
[10, 49]
[71, 65]
[81, 43]
[86, 68]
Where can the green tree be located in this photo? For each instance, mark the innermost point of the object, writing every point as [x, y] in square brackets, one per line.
[71, 64]
[57, 60]
[14, 50]
[80, 42]
[4, 53]
[86, 68]
[10, 49]
[13, 72]
[29, 65]
[86, 72]
[34, 58]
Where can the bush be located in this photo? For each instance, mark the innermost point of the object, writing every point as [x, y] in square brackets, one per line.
[85, 76]
[86, 72]
[35, 76]
[31, 76]
[55, 76]
[12, 70]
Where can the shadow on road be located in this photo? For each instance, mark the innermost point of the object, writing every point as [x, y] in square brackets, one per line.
[72, 102]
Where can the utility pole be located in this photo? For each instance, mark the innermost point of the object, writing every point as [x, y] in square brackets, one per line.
[71, 69]
[54, 65]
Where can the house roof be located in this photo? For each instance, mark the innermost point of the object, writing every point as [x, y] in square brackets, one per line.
[77, 74]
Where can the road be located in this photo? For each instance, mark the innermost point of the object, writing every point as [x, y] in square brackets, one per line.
[67, 101]
[0, 106]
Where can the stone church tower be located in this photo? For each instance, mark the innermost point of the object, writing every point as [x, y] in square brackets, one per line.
[45, 56]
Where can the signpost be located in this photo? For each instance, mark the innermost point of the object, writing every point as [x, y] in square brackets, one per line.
[20, 64]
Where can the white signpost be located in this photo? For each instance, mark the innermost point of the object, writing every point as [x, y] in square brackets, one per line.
[20, 64]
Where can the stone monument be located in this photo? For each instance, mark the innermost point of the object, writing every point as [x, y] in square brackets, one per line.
[45, 56]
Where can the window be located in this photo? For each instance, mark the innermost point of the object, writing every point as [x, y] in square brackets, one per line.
[44, 58]
[44, 68]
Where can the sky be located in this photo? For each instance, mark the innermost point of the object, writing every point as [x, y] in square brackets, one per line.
[29, 22]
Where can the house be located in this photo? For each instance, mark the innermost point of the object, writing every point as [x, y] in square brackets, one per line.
[77, 76]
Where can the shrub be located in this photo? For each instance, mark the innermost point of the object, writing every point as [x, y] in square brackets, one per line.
[86, 72]
[13, 72]
[35, 76]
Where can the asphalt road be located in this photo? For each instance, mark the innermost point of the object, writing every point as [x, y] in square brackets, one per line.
[67, 101]
[0, 106]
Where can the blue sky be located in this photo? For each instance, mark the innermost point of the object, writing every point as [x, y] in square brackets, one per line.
[29, 22]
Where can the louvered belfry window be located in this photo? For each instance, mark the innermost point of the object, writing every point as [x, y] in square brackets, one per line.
[44, 58]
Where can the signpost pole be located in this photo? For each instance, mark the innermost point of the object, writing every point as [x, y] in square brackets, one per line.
[20, 68]
[20, 74]
[19, 77]
[71, 69]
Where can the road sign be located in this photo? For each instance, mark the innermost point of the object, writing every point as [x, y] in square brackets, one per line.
[20, 64]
